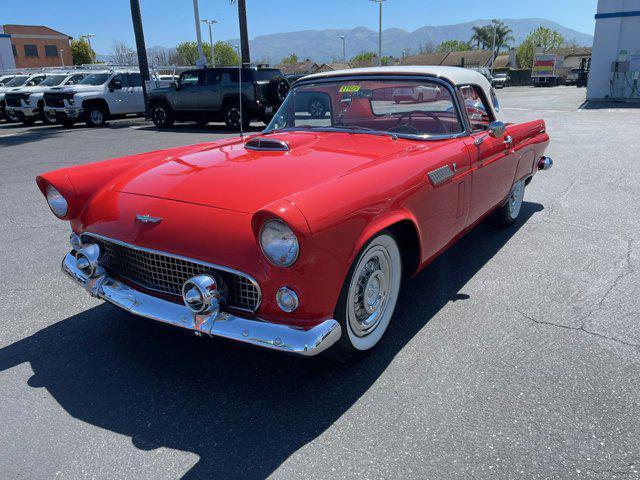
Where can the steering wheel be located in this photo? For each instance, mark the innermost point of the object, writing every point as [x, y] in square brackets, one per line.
[409, 128]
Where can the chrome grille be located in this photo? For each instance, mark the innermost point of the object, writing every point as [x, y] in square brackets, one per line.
[167, 273]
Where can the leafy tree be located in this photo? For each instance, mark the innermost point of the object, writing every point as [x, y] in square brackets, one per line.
[224, 53]
[80, 52]
[187, 52]
[290, 59]
[363, 58]
[453, 46]
[544, 38]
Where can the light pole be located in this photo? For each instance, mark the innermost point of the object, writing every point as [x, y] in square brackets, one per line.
[62, 57]
[493, 44]
[209, 23]
[88, 37]
[201, 61]
[379, 2]
[344, 49]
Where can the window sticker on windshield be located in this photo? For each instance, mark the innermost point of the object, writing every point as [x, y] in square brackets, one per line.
[349, 88]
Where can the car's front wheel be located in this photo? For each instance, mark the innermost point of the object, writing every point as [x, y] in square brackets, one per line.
[368, 297]
[162, 115]
[232, 118]
[95, 116]
[317, 109]
[47, 118]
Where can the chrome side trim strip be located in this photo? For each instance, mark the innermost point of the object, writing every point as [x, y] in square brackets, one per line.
[283, 338]
[180, 257]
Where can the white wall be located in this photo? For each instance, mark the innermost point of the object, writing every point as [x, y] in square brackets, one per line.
[611, 36]
[6, 53]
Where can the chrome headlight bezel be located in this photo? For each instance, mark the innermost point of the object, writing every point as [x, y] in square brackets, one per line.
[279, 243]
[57, 203]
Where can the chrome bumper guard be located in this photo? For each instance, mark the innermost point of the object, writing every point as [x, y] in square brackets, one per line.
[283, 338]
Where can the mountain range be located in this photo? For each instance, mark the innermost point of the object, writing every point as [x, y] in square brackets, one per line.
[325, 45]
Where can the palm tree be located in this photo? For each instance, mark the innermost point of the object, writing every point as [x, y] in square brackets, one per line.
[482, 36]
[244, 33]
[502, 35]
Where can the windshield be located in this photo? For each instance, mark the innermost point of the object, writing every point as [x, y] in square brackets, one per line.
[53, 80]
[95, 79]
[17, 82]
[403, 108]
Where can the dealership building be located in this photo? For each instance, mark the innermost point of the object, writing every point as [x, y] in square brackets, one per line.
[33, 46]
[615, 60]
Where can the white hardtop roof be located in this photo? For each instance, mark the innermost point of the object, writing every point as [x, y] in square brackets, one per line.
[456, 75]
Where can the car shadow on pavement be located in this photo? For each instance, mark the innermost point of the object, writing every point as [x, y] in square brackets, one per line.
[243, 411]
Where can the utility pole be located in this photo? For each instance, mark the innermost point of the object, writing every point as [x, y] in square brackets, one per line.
[201, 61]
[136, 17]
[88, 37]
[209, 23]
[344, 49]
[379, 2]
[62, 57]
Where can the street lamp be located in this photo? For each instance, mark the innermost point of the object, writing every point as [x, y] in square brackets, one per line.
[344, 50]
[379, 2]
[88, 37]
[62, 57]
[209, 23]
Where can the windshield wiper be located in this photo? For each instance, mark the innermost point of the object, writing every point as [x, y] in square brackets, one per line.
[358, 129]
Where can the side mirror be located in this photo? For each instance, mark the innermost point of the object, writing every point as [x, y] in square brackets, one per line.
[116, 84]
[497, 129]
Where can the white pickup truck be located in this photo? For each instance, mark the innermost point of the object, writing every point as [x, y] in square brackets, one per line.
[97, 98]
[19, 80]
[27, 103]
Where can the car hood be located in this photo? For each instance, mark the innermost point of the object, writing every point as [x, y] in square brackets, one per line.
[77, 88]
[234, 177]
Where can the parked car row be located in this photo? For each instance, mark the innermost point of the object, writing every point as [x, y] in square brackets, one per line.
[95, 96]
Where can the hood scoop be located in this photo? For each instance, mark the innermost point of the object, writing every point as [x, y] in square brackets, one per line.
[267, 144]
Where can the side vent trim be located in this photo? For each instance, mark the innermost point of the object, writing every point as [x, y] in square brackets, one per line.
[267, 144]
[440, 175]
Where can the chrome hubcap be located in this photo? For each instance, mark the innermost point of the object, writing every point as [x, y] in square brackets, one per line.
[369, 292]
[515, 199]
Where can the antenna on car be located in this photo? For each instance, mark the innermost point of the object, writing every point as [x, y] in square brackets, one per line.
[240, 87]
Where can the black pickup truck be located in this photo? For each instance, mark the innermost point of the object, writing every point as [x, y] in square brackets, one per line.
[212, 94]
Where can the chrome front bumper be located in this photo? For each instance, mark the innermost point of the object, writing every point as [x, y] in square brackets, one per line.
[283, 338]
[69, 112]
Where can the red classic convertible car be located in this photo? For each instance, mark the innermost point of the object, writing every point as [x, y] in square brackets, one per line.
[296, 239]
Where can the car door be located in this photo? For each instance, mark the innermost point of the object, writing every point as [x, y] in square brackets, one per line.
[136, 97]
[117, 98]
[493, 162]
[192, 86]
[212, 93]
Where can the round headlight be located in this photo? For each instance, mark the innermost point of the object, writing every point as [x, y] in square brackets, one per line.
[279, 244]
[56, 201]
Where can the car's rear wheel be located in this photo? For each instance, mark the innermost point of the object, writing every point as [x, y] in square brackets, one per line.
[368, 298]
[162, 115]
[509, 212]
[95, 116]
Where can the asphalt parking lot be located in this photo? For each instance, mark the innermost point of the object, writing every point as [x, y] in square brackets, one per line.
[514, 355]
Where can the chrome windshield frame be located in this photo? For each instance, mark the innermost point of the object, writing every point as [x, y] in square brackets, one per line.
[412, 77]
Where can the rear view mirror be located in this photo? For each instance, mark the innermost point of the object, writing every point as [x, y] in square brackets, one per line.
[497, 129]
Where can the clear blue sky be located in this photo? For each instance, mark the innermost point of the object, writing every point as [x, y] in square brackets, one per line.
[169, 22]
